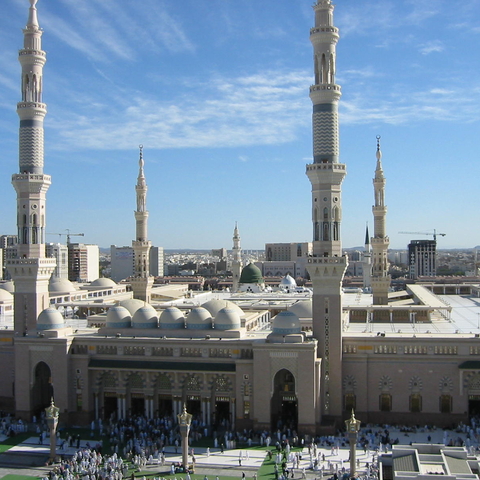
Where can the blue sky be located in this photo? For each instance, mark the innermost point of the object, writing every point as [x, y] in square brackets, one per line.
[217, 92]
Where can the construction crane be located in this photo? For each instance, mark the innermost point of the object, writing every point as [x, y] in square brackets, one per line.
[434, 234]
[68, 235]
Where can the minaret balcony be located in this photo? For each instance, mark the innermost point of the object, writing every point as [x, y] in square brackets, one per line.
[28, 51]
[37, 177]
[325, 86]
[323, 30]
[327, 260]
[336, 167]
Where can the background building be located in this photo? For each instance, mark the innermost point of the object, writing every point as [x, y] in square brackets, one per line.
[83, 262]
[422, 255]
[60, 253]
[287, 252]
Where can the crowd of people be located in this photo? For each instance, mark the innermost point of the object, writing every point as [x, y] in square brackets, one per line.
[139, 442]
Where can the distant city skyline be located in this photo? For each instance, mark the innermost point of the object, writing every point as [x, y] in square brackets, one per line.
[217, 93]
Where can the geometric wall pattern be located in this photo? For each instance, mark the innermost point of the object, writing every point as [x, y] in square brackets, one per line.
[31, 147]
[325, 133]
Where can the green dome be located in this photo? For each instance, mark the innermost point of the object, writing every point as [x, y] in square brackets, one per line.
[251, 274]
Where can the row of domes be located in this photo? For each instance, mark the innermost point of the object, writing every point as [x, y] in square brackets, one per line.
[198, 318]
[218, 314]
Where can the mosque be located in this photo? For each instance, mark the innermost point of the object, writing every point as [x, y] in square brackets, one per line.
[252, 358]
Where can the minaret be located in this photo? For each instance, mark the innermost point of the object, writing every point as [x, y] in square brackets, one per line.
[380, 240]
[367, 262]
[141, 281]
[31, 271]
[237, 259]
[327, 266]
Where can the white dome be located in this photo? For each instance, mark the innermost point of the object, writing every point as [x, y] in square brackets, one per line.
[50, 318]
[60, 285]
[132, 305]
[5, 296]
[8, 286]
[227, 319]
[103, 282]
[199, 318]
[172, 317]
[145, 317]
[118, 317]
[302, 309]
[288, 281]
[286, 323]
[215, 305]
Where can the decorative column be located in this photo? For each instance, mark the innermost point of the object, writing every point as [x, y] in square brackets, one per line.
[353, 427]
[184, 422]
[51, 414]
[95, 396]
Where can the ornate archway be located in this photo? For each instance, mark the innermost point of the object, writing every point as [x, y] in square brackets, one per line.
[283, 404]
[42, 390]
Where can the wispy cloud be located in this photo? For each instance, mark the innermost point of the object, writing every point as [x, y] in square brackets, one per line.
[438, 104]
[422, 11]
[434, 46]
[229, 112]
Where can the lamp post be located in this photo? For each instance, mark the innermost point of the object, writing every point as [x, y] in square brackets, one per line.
[353, 426]
[184, 422]
[51, 414]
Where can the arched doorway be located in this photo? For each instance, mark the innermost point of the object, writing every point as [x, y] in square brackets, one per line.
[42, 390]
[474, 396]
[283, 405]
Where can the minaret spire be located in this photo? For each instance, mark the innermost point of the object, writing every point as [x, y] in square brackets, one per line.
[142, 281]
[237, 259]
[327, 266]
[367, 261]
[31, 271]
[380, 240]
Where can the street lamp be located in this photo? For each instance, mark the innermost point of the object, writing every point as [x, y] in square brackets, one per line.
[353, 426]
[51, 414]
[184, 422]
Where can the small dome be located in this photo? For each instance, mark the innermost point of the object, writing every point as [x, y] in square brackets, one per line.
[60, 285]
[118, 317]
[132, 305]
[215, 305]
[5, 296]
[172, 317]
[8, 286]
[199, 318]
[251, 274]
[286, 323]
[103, 282]
[50, 318]
[288, 281]
[302, 309]
[145, 317]
[227, 319]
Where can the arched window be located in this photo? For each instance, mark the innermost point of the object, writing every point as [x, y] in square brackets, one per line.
[385, 402]
[349, 402]
[445, 403]
[415, 403]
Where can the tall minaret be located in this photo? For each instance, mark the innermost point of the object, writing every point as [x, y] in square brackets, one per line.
[31, 271]
[367, 262]
[327, 266]
[380, 240]
[141, 281]
[237, 259]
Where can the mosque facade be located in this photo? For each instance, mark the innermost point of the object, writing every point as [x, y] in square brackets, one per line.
[301, 367]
